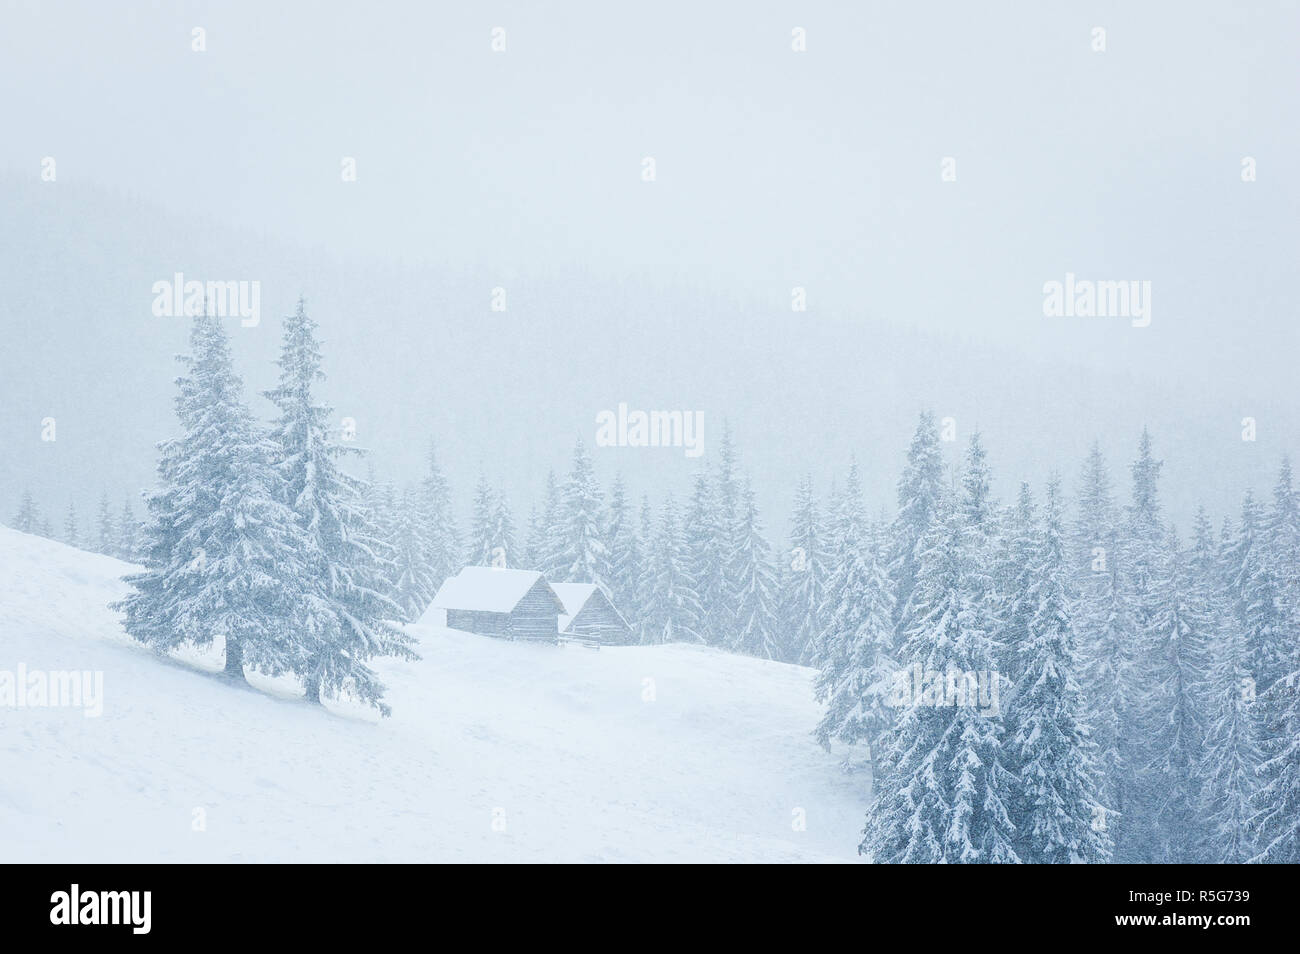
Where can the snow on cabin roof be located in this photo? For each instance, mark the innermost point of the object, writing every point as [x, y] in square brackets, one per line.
[574, 596]
[485, 589]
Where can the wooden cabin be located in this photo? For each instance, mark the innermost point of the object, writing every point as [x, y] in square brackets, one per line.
[589, 613]
[508, 604]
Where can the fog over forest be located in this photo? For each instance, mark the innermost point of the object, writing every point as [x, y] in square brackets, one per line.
[774, 171]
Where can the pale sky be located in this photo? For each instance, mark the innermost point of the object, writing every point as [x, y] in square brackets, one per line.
[774, 169]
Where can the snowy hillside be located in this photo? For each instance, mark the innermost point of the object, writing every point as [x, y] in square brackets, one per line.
[495, 751]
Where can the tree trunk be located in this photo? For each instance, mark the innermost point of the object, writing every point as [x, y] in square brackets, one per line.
[874, 767]
[235, 659]
[311, 685]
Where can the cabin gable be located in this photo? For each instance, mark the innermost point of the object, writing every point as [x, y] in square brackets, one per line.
[598, 618]
[536, 616]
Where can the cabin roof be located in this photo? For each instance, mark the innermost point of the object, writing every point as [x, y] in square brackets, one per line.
[486, 589]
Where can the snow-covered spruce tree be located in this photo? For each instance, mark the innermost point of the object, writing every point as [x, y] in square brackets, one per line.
[858, 665]
[1282, 536]
[1230, 756]
[107, 531]
[534, 537]
[1144, 565]
[645, 584]
[1253, 591]
[1276, 821]
[438, 528]
[1282, 545]
[757, 630]
[381, 514]
[943, 794]
[845, 534]
[719, 599]
[378, 509]
[1173, 714]
[414, 581]
[980, 540]
[1017, 549]
[482, 525]
[707, 544]
[149, 608]
[127, 534]
[342, 615]
[70, 536]
[28, 518]
[1282, 540]
[625, 554]
[1055, 803]
[550, 550]
[1105, 647]
[223, 553]
[1273, 646]
[834, 508]
[805, 577]
[503, 532]
[919, 490]
[585, 558]
[672, 607]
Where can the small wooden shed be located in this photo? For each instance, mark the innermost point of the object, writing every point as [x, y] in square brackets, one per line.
[588, 612]
[510, 604]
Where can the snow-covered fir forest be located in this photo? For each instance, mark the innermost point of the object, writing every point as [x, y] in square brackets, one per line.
[693, 433]
[1061, 677]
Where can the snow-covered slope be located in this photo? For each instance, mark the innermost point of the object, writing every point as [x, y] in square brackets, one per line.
[495, 751]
